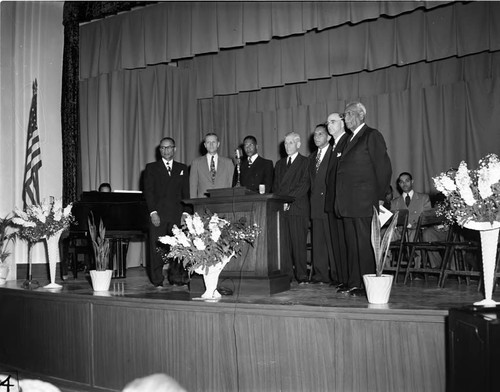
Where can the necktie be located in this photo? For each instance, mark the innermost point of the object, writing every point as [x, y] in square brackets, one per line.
[407, 200]
[249, 162]
[169, 169]
[289, 163]
[318, 160]
[212, 169]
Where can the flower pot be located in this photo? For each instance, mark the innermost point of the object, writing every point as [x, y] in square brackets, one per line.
[378, 288]
[4, 271]
[211, 277]
[489, 240]
[54, 257]
[101, 279]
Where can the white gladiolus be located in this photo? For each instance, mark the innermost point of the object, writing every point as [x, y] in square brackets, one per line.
[39, 214]
[189, 223]
[463, 181]
[199, 228]
[444, 184]
[198, 242]
[168, 240]
[21, 214]
[181, 237]
[215, 233]
[67, 210]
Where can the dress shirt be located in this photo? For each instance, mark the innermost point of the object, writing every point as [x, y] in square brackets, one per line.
[408, 194]
[356, 131]
[292, 157]
[322, 152]
[252, 159]
[209, 160]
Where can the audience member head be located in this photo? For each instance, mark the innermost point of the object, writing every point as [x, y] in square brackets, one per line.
[292, 143]
[105, 187]
[167, 148]
[321, 136]
[354, 115]
[211, 143]
[335, 124]
[250, 145]
[154, 383]
[405, 182]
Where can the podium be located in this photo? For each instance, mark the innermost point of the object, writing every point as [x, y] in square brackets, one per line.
[260, 268]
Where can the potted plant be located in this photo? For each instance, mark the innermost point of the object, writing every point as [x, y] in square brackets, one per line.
[6, 236]
[378, 285]
[101, 276]
[206, 243]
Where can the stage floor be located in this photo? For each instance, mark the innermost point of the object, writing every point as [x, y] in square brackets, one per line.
[417, 295]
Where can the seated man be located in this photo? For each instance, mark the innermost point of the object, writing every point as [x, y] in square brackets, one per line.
[410, 200]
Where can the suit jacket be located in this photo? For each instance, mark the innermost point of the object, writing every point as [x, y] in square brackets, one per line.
[419, 202]
[260, 172]
[293, 181]
[164, 193]
[331, 173]
[363, 174]
[318, 184]
[200, 178]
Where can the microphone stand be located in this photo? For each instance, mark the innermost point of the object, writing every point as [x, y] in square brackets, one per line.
[238, 168]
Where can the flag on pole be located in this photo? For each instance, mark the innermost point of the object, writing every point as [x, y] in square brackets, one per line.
[31, 190]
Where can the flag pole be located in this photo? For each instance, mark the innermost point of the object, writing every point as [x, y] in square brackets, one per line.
[31, 188]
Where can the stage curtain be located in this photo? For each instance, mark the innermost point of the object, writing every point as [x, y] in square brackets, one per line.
[420, 35]
[432, 115]
[169, 31]
[125, 114]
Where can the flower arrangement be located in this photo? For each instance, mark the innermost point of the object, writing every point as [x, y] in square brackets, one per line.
[471, 195]
[6, 236]
[43, 220]
[202, 241]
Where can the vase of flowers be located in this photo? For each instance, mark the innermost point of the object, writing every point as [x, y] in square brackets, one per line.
[45, 221]
[473, 201]
[378, 286]
[206, 243]
[6, 236]
[101, 276]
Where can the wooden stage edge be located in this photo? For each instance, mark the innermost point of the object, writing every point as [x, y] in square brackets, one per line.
[85, 341]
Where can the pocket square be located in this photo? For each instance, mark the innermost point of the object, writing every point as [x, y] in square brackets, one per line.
[339, 154]
[182, 172]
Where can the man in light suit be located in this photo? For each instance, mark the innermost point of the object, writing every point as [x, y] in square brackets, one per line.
[254, 170]
[210, 171]
[322, 251]
[291, 178]
[414, 202]
[339, 267]
[363, 175]
[165, 185]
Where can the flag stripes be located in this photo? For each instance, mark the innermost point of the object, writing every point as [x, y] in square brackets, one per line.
[31, 189]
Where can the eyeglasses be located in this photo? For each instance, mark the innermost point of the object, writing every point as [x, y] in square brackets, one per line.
[167, 147]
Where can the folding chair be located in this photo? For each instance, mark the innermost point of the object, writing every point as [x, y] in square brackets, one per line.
[419, 247]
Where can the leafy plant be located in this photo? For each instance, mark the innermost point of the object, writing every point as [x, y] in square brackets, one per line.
[100, 244]
[381, 248]
[5, 237]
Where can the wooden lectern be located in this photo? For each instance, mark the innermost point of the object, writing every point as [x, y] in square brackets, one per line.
[259, 269]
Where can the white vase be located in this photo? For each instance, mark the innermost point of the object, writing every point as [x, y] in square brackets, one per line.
[489, 240]
[378, 288]
[4, 271]
[211, 277]
[101, 279]
[52, 243]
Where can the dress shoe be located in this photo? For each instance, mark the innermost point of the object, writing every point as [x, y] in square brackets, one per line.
[317, 281]
[159, 286]
[357, 292]
[344, 289]
[338, 285]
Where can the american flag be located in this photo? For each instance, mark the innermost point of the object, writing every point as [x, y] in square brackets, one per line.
[31, 190]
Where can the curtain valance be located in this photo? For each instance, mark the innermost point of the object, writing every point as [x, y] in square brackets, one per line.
[453, 30]
[164, 32]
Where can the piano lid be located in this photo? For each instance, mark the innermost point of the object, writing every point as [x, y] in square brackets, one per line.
[124, 212]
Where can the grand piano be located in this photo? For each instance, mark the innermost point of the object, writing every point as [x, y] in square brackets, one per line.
[125, 217]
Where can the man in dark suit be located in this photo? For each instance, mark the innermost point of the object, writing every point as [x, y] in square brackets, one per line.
[254, 170]
[363, 175]
[338, 268]
[166, 183]
[322, 251]
[291, 178]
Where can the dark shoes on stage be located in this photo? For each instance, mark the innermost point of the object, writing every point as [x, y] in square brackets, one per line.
[352, 291]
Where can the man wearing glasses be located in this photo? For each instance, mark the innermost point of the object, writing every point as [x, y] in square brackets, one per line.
[166, 183]
[363, 175]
